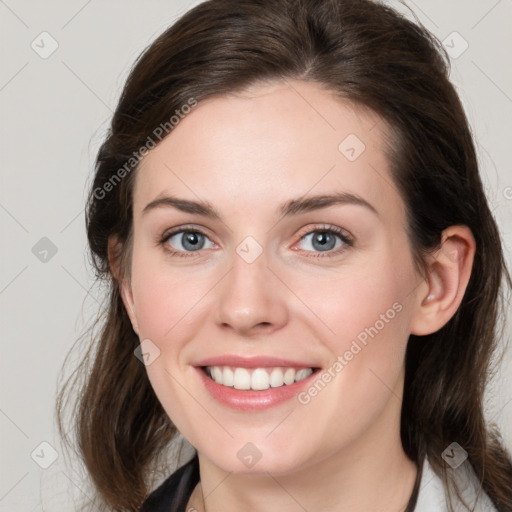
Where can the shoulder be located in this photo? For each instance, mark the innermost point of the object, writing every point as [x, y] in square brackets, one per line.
[173, 494]
[432, 493]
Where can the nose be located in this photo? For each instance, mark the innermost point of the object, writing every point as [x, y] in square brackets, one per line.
[251, 299]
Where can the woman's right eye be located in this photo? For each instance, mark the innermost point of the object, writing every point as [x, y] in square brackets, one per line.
[185, 241]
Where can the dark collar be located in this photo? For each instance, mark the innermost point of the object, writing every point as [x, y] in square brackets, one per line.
[173, 494]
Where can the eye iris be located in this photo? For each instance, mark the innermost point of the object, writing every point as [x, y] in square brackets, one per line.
[190, 241]
[326, 241]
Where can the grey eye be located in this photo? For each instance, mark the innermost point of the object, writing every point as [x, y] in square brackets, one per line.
[322, 241]
[189, 241]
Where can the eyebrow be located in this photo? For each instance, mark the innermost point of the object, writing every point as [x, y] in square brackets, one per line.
[291, 207]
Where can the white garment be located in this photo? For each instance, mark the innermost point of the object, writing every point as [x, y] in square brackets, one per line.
[432, 496]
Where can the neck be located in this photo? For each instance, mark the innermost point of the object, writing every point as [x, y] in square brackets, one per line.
[354, 492]
[371, 474]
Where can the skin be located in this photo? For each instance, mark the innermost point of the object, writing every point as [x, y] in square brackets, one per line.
[246, 154]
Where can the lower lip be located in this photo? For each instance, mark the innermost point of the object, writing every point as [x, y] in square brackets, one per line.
[253, 400]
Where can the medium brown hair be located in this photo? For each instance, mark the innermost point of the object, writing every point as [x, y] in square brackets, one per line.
[367, 54]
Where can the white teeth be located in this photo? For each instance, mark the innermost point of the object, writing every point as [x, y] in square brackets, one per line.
[257, 379]
[289, 376]
[228, 377]
[260, 379]
[216, 374]
[303, 374]
[242, 379]
[276, 378]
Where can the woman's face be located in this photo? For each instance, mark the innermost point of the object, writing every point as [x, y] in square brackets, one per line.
[301, 264]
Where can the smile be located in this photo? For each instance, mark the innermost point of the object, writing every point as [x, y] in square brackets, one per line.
[255, 383]
[256, 379]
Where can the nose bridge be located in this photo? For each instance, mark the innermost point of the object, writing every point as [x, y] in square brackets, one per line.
[249, 297]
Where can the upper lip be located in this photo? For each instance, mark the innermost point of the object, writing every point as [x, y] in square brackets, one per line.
[253, 362]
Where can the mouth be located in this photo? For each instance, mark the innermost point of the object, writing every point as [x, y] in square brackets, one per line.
[256, 383]
[256, 379]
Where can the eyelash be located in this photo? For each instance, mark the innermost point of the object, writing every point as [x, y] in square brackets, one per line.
[332, 230]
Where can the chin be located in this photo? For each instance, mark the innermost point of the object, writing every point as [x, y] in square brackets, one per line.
[253, 459]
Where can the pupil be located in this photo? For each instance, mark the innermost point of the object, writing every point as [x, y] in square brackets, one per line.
[191, 241]
[323, 239]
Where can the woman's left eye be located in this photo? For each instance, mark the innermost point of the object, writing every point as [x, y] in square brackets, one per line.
[326, 240]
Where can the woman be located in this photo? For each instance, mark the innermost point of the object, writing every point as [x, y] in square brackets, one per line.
[304, 271]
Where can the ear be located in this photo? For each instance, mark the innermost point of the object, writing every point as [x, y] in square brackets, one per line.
[449, 270]
[114, 258]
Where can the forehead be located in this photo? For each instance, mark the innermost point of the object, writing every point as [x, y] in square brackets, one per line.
[273, 141]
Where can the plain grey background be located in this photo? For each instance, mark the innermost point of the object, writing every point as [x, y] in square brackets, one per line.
[63, 66]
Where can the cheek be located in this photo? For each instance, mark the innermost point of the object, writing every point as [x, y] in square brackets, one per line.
[365, 303]
[368, 314]
[167, 302]
[363, 380]
[165, 298]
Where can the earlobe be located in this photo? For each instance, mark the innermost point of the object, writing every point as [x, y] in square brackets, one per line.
[448, 277]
